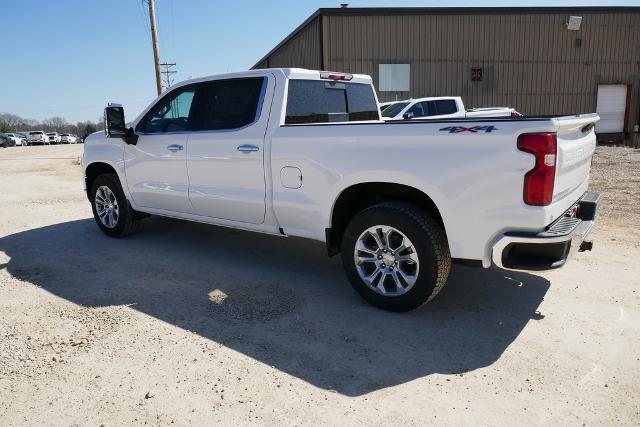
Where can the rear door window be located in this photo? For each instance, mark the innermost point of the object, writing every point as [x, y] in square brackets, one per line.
[446, 106]
[228, 104]
[320, 101]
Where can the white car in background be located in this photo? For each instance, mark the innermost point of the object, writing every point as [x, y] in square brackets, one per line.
[15, 138]
[37, 137]
[54, 137]
[66, 138]
[441, 107]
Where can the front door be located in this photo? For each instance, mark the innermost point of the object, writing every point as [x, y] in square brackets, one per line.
[225, 158]
[156, 167]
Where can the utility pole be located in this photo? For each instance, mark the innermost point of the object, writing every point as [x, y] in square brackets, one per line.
[168, 71]
[154, 41]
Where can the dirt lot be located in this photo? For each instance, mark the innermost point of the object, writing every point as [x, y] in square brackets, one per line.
[189, 324]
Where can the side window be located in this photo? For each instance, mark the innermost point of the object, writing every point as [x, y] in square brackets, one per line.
[446, 106]
[421, 109]
[228, 104]
[171, 114]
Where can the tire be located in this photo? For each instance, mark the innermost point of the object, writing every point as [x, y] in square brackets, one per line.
[428, 261]
[128, 220]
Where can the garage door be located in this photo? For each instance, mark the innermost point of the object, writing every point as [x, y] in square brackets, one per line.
[612, 100]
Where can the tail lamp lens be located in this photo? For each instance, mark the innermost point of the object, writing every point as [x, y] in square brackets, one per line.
[538, 182]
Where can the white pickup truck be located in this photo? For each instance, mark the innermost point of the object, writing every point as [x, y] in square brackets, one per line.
[295, 152]
[440, 107]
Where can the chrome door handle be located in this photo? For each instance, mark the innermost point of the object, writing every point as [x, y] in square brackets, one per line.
[246, 148]
[175, 147]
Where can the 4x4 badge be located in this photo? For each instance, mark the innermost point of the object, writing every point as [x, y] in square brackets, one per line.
[474, 129]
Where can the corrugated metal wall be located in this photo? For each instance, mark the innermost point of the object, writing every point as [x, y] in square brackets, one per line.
[530, 61]
[303, 50]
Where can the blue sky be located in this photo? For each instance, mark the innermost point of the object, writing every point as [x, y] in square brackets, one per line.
[69, 58]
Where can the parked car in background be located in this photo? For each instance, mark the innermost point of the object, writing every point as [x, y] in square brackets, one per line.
[67, 138]
[441, 107]
[54, 137]
[305, 153]
[37, 137]
[15, 138]
[5, 141]
[23, 137]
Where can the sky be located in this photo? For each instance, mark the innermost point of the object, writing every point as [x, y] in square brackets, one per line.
[69, 58]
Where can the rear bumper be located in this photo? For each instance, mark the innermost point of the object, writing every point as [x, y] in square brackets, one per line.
[552, 247]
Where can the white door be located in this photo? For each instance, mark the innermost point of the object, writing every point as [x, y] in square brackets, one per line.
[156, 167]
[611, 104]
[225, 158]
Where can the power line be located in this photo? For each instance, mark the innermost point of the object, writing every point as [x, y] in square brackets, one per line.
[168, 72]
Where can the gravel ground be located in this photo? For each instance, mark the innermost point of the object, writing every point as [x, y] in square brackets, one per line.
[189, 324]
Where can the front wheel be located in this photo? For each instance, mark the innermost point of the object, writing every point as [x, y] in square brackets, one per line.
[111, 209]
[396, 256]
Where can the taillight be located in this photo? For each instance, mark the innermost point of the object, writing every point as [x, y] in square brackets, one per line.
[538, 182]
[335, 76]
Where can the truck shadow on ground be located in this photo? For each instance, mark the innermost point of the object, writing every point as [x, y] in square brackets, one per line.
[280, 301]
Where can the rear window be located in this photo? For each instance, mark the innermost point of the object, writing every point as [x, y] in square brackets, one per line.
[35, 133]
[320, 101]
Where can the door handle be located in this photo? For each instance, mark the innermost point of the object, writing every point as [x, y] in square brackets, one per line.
[175, 147]
[246, 148]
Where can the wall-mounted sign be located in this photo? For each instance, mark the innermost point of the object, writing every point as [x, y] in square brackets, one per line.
[394, 77]
[476, 74]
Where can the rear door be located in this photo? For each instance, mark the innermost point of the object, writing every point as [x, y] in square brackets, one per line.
[156, 167]
[225, 156]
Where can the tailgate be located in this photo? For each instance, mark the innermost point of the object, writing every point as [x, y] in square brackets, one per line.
[576, 145]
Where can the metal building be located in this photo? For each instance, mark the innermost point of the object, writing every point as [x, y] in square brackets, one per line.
[539, 60]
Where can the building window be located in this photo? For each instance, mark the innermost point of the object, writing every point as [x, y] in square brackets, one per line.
[394, 77]
[476, 74]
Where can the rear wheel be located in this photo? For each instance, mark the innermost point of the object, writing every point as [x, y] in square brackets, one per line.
[111, 209]
[396, 256]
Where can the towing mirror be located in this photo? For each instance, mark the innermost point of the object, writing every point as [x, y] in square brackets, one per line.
[408, 116]
[114, 125]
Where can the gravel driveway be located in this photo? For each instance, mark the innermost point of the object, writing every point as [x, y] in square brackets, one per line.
[190, 324]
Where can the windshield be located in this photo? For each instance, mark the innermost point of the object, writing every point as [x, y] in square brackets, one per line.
[35, 133]
[394, 109]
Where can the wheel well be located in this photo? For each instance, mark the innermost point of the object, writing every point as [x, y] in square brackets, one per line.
[93, 171]
[361, 196]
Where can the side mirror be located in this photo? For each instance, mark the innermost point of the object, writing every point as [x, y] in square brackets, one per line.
[114, 124]
[408, 116]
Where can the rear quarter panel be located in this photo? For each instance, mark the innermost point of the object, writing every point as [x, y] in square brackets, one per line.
[475, 178]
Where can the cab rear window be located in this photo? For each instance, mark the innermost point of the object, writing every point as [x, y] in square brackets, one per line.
[320, 101]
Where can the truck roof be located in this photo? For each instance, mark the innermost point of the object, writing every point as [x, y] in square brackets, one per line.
[289, 73]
